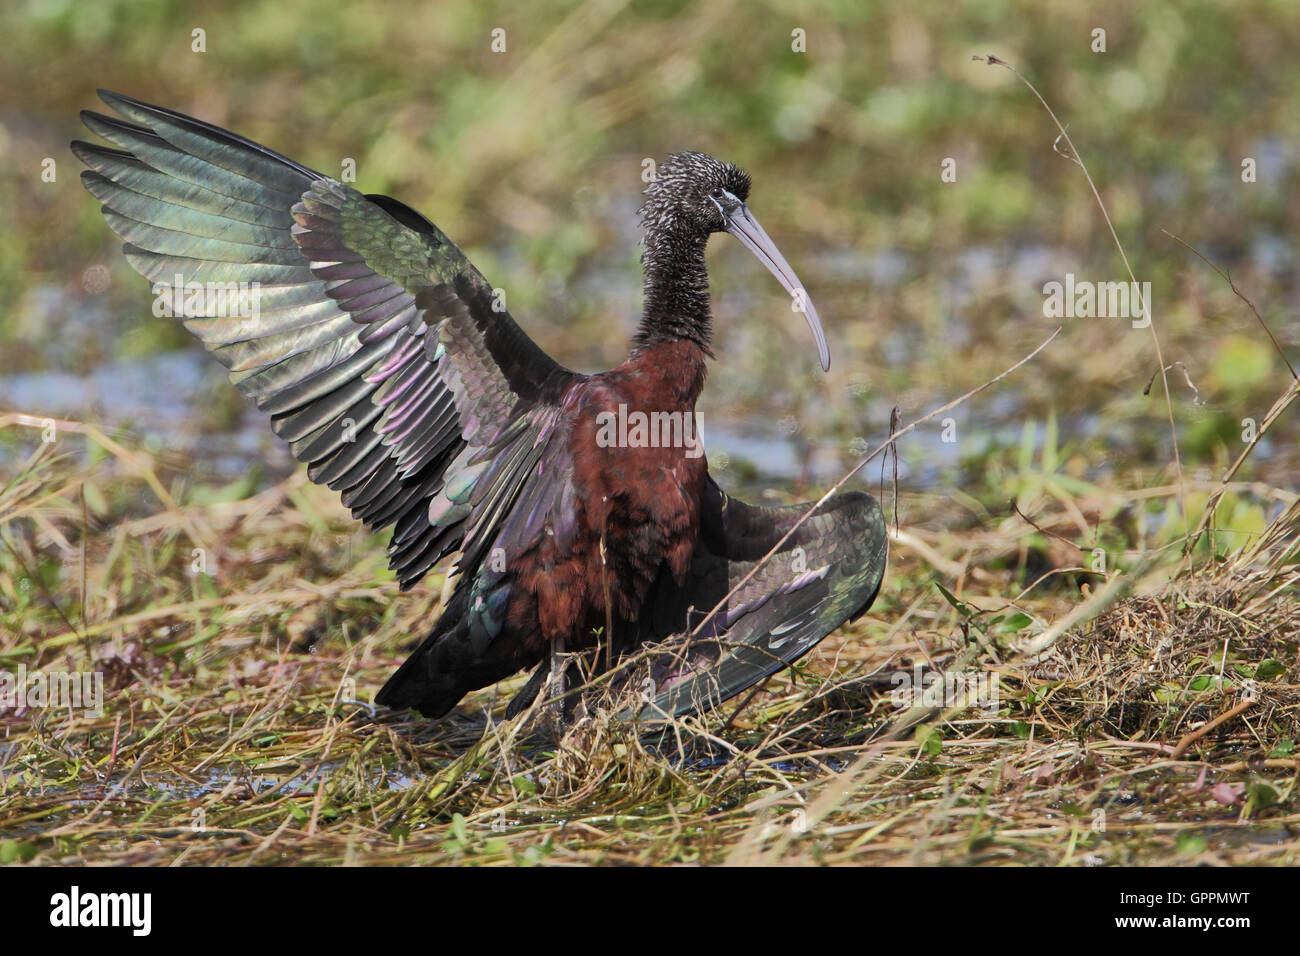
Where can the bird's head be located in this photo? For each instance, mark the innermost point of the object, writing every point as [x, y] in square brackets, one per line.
[688, 193]
[694, 195]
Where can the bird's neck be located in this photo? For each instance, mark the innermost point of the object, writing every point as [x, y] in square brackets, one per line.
[676, 292]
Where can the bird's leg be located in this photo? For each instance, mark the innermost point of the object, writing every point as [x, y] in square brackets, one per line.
[552, 667]
[559, 679]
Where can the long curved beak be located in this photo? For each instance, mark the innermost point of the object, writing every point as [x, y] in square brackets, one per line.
[742, 224]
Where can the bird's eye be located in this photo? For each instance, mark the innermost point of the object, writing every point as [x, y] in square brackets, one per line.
[717, 193]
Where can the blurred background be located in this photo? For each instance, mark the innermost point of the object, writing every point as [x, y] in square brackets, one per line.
[531, 158]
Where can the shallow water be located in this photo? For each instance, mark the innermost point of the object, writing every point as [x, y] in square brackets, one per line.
[162, 400]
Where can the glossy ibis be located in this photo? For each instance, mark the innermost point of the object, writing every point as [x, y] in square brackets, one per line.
[384, 359]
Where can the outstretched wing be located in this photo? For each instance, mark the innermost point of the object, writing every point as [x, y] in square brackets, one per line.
[306, 290]
[826, 574]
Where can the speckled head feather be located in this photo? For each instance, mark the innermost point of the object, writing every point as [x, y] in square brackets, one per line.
[677, 202]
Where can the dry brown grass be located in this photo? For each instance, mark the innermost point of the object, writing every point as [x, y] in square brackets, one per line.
[232, 733]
